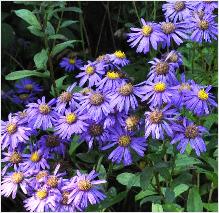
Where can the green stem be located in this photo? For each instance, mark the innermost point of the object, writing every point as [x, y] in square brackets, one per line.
[198, 179]
[99, 163]
[136, 11]
[210, 193]
[155, 10]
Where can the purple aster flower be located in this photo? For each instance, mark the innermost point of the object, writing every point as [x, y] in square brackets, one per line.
[36, 160]
[95, 132]
[21, 116]
[11, 159]
[13, 133]
[150, 33]
[96, 105]
[67, 98]
[124, 97]
[199, 100]
[41, 114]
[163, 70]
[158, 120]
[12, 181]
[70, 63]
[189, 133]
[84, 189]
[174, 31]
[177, 10]
[91, 73]
[174, 57]
[125, 142]
[203, 29]
[114, 118]
[207, 6]
[23, 98]
[70, 123]
[156, 93]
[27, 85]
[53, 144]
[119, 58]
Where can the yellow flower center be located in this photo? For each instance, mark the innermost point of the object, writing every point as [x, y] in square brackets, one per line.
[124, 140]
[147, 30]
[17, 177]
[112, 75]
[84, 185]
[202, 95]
[35, 157]
[15, 158]
[203, 25]
[23, 96]
[132, 122]
[41, 194]
[96, 99]
[156, 117]
[52, 181]
[29, 86]
[11, 128]
[85, 91]
[126, 89]
[52, 141]
[71, 61]
[179, 5]
[44, 109]
[96, 129]
[120, 54]
[89, 70]
[191, 131]
[71, 118]
[159, 87]
[41, 174]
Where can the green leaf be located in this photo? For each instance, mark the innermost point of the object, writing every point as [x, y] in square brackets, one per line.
[89, 157]
[210, 120]
[144, 194]
[146, 177]
[59, 47]
[67, 23]
[40, 59]
[35, 31]
[186, 161]
[57, 36]
[169, 195]
[73, 9]
[211, 207]
[49, 29]
[74, 145]
[128, 179]
[153, 198]
[7, 35]
[59, 84]
[194, 202]
[29, 17]
[178, 190]
[157, 207]
[172, 207]
[25, 73]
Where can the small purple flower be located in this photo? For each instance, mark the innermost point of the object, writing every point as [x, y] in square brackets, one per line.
[91, 73]
[12, 181]
[203, 29]
[13, 133]
[150, 33]
[84, 189]
[188, 133]
[207, 6]
[27, 85]
[119, 58]
[174, 57]
[199, 100]
[177, 10]
[125, 142]
[114, 118]
[158, 120]
[23, 98]
[41, 114]
[70, 123]
[71, 63]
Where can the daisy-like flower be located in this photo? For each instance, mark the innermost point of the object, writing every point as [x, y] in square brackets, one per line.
[124, 97]
[149, 34]
[96, 105]
[204, 29]
[43, 200]
[158, 120]
[163, 70]
[174, 31]
[174, 57]
[27, 85]
[41, 114]
[125, 142]
[119, 58]
[71, 123]
[23, 98]
[207, 6]
[11, 159]
[111, 81]
[21, 116]
[12, 181]
[156, 93]
[36, 160]
[132, 122]
[189, 133]
[177, 10]
[13, 133]
[95, 132]
[53, 144]
[66, 99]
[91, 73]
[71, 63]
[84, 190]
[199, 100]
[114, 118]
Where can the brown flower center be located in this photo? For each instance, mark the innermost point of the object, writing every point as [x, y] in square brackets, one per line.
[203, 25]
[41, 174]
[11, 128]
[96, 129]
[174, 58]
[85, 91]
[52, 181]
[84, 185]
[42, 194]
[132, 122]
[179, 5]
[29, 86]
[65, 97]
[17, 177]
[156, 117]
[184, 86]
[96, 99]
[168, 27]
[44, 109]
[124, 140]
[191, 131]
[52, 141]
[162, 68]
[65, 195]
[15, 158]
[126, 89]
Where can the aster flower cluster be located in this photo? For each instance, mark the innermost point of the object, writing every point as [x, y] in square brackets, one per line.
[104, 114]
